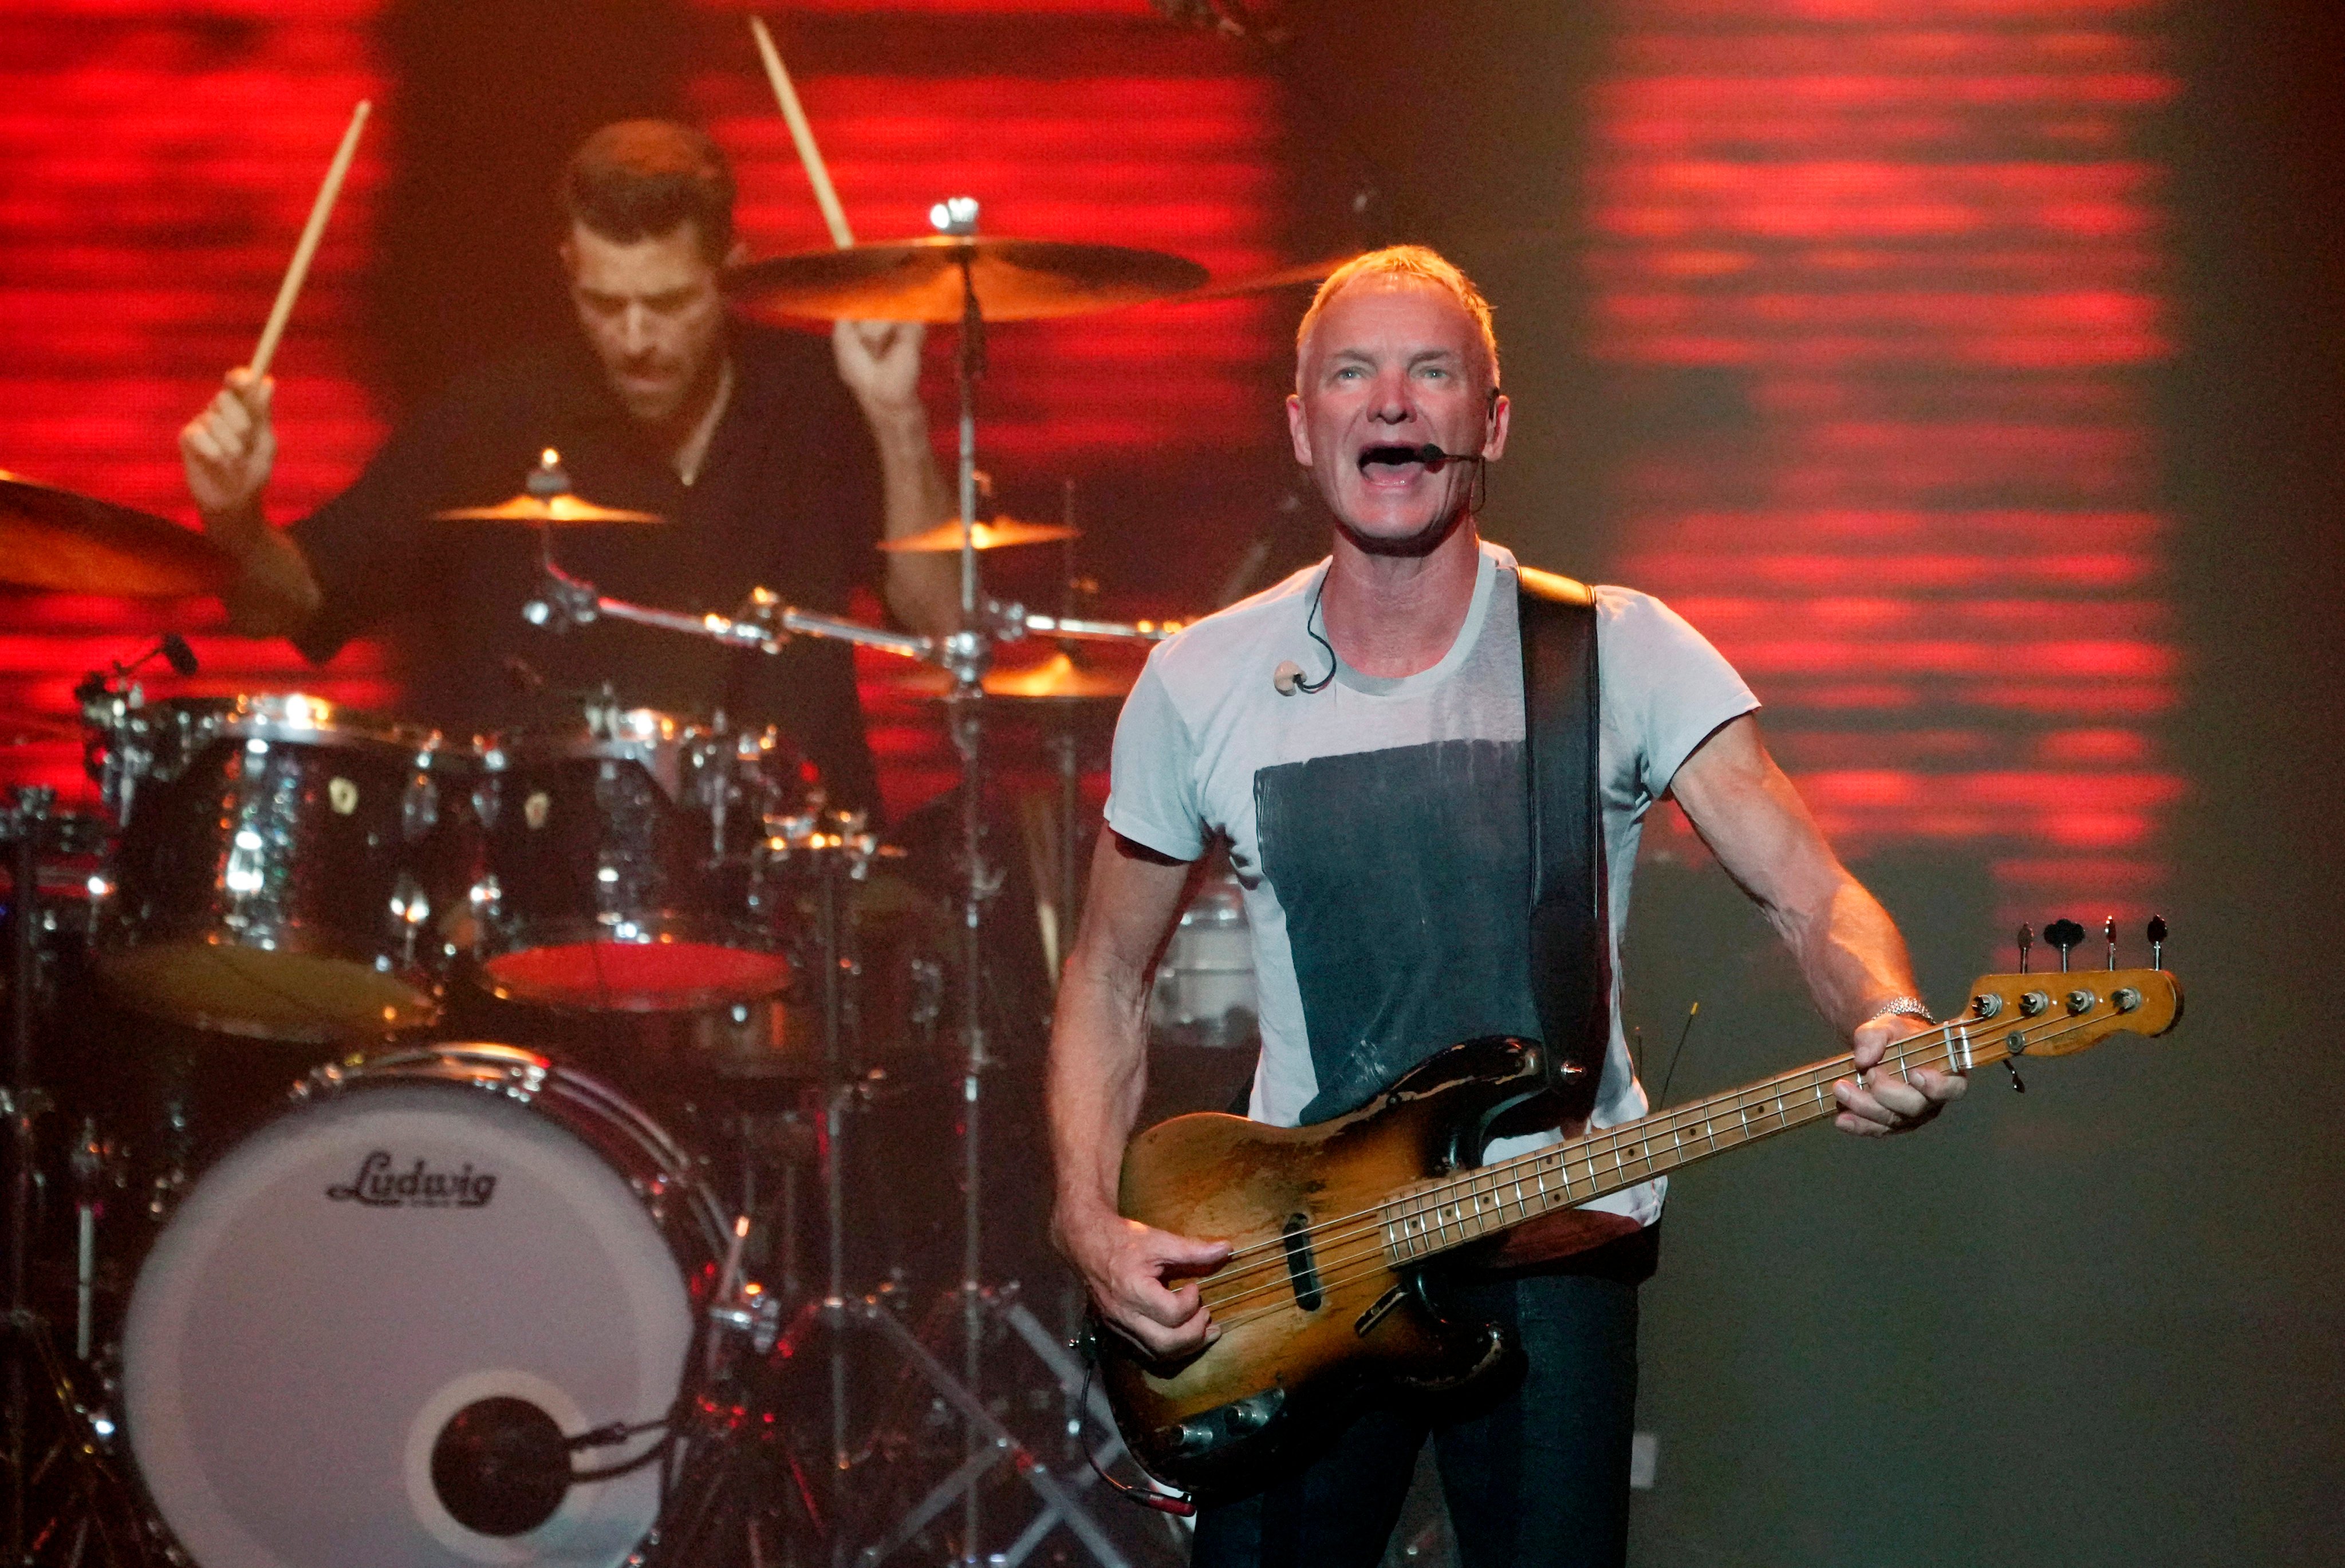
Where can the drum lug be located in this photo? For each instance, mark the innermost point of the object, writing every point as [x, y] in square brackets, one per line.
[488, 901]
[410, 909]
[418, 809]
[487, 796]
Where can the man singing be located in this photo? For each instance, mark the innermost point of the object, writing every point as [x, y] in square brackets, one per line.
[1357, 736]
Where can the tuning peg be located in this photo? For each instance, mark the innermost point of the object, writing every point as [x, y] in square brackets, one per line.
[2109, 935]
[2063, 934]
[2027, 941]
[2158, 941]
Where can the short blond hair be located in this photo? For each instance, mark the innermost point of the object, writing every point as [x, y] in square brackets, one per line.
[1416, 262]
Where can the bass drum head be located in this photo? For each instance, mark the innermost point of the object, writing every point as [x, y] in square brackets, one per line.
[344, 1283]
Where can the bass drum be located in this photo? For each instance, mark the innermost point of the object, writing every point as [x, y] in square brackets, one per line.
[365, 1316]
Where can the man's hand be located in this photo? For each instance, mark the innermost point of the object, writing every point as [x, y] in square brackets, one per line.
[229, 451]
[1876, 1104]
[1128, 1267]
[880, 363]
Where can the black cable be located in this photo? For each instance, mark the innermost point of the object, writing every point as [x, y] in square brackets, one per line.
[1676, 1051]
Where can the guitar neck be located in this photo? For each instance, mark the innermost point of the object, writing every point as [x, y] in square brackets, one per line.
[1426, 1220]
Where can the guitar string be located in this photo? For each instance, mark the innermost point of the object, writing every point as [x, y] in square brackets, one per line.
[1668, 1124]
[1683, 1112]
[1381, 1264]
[1818, 1075]
[1664, 1124]
[1498, 1178]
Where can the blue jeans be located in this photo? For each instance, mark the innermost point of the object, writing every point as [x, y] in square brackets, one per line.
[1534, 1459]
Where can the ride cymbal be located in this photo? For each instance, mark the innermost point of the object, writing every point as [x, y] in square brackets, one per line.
[1000, 534]
[70, 543]
[920, 280]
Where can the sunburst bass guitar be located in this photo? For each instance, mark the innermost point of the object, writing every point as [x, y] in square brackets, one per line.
[1338, 1232]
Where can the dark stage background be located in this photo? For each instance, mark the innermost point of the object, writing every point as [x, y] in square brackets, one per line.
[1967, 371]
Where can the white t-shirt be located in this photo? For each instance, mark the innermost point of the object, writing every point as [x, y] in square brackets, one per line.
[1378, 826]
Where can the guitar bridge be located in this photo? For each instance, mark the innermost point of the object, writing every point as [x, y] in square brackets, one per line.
[1302, 1268]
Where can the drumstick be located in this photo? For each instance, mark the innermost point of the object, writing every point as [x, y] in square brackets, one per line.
[320, 211]
[803, 134]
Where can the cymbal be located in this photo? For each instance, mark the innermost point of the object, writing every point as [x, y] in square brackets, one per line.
[69, 543]
[1061, 680]
[1000, 534]
[555, 512]
[920, 280]
[1057, 679]
[1294, 275]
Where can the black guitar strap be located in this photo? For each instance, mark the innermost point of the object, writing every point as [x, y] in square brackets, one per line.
[1571, 952]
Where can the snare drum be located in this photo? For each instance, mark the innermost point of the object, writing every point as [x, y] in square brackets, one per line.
[281, 866]
[365, 1311]
[625, 864]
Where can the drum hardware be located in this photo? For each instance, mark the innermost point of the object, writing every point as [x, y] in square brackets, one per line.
[913, 281]
[93, 1493]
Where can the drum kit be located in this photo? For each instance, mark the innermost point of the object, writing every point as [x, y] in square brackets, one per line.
[453, 1303]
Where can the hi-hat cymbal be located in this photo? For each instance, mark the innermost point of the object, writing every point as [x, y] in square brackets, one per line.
[555, 512]
[1000, 534]
[920, 280]
[70, 543]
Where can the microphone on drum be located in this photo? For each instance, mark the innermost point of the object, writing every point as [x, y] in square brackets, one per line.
[178, 654]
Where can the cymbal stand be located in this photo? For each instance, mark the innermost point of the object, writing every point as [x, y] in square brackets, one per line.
[97, 1504]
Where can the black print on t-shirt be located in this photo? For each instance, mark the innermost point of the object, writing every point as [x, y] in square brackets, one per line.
[1405, 875]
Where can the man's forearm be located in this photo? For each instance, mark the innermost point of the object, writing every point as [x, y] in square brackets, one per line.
[1852, 954]
[1098, 1071]
[924, 591]
[274, 593]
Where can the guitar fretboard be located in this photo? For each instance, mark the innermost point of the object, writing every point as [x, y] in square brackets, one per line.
[1482, 1202]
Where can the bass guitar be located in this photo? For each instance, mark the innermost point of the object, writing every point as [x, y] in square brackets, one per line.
[1338, 1231]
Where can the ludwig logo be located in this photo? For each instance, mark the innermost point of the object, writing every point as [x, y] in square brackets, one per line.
[381, 1183]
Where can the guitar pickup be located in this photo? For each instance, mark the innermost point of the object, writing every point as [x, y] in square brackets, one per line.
[1302, 1267]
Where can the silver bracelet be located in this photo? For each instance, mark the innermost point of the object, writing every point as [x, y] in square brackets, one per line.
[1911, 1007]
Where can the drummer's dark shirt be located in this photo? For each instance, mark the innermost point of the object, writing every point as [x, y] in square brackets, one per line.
[788, 497]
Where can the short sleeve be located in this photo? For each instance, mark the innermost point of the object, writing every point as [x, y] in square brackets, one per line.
[1666, 688]
[1153, 772]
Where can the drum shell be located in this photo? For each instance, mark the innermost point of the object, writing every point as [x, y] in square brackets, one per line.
[630, 874]
[635, 1174]
[321, 865]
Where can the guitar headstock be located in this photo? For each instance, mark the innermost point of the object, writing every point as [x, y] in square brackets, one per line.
[2053, 1014]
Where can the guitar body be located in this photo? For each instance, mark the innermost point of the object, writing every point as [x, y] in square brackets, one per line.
[1323, 1318]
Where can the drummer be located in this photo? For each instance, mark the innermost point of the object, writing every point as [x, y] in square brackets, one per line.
[778, 460]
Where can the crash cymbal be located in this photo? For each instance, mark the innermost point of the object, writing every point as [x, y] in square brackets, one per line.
[920, 280]
[552, 510]
[1000, 534]
[70, 543]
